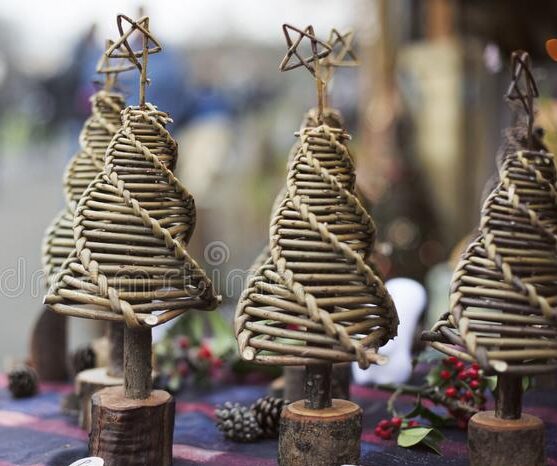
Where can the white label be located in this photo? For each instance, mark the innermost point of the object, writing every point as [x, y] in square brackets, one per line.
[91, 461]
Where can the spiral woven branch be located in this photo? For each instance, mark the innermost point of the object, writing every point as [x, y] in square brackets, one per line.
[332, 118]
[130, 229]
[94, 139]
[504, 292]
[316, 298]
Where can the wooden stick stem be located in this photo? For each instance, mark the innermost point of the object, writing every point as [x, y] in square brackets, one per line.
[137, 363]
[508, 397]
[318, 386]
[143, 82]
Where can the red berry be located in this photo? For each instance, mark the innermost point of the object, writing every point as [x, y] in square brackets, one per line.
[204, 352]
[462, 375]
[453, 359]
[476, 366]
[378, 431]
[386, 434]
[445, 375]
[462, 423]
[396, 422]
[183, 342]
[217, 363]
[384, 424]
[451, 392]
[468, 395]
[413, 424]
[474, 384]
[473, 373]
[459, 366]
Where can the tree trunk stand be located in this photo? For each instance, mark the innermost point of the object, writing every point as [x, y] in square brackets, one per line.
[294, 382]
[493, 441]
[320, 437]
[86, 384]
[506, 436]
[132, 432]
[48, 346]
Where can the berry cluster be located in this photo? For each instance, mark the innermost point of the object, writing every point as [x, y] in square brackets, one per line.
[178, 360]
[386, 428]
[463, 389]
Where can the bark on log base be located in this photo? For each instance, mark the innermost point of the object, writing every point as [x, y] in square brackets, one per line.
[87, 383]
[49, 346]
[126, 432]
[320, 437]
[294, 377]
[506, 442]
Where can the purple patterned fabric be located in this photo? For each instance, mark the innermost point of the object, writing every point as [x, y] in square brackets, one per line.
[34, 432]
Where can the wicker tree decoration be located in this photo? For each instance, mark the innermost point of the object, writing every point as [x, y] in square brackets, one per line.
[504, 291]
[316, 298]
[94, 139]
[133, 222]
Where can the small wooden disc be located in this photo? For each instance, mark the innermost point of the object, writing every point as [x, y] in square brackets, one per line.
[320, 437]
[88, 382]
[126, 432]
[506, 442]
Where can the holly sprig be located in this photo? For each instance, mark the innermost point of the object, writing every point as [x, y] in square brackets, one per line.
[456, 388]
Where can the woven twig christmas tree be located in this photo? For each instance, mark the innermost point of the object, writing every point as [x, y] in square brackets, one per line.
[94, 139]
[131, 228]
[317, 298]
[504, 291]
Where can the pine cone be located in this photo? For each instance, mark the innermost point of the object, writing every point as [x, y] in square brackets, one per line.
[238, 423]
[23, 382]
[82, 359]
[267, 412]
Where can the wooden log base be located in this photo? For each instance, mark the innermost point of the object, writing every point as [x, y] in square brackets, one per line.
[294, 381]
[494, 441]
[126, 432]
[48, 346]
[88, 382]
[320, 437]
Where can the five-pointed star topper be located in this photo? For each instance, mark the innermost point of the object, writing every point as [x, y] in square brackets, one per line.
[342, 53]
[122, 48]
[110, 71]
[319, 49]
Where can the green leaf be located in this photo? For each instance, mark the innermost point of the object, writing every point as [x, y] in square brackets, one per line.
[223, 341]
[433, 444]
[196, 328]
[526, 383]
[412, 436]
[491, 382]
[427, 436]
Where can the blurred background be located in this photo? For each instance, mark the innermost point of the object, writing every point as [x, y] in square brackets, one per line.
[425, 109]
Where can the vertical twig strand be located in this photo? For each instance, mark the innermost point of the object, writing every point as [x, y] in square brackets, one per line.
[318, 386]
[508, 397]
[137, 363]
